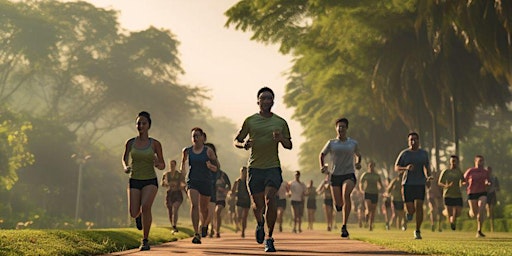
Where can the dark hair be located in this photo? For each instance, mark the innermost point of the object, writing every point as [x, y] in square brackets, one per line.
[454, 156]
[413, 133]
[146, 115]
[265, 89]
[479, 156]
[297, 172]
[197, 129]
[341, 120]
[212, 147]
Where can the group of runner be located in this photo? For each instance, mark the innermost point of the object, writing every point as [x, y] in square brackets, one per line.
[260, 184]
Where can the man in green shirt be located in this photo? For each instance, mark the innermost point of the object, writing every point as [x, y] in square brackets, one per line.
[450, 180]
[265, 130]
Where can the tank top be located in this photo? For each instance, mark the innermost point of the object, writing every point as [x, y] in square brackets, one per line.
[198, 170]
[241, 192]
[173, 180]
[143, 161]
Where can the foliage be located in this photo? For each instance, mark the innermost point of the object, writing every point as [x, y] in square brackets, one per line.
[13, 148]
[389, 66]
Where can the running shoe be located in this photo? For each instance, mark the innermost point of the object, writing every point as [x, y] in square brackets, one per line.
[144, 246]
[404, 227]
[260, 232]
[212, 232]
[217, 235]
[417, 234]
[269, 245]
[204, 231]
[452, 226]
[196, 239]
[138, 222]
[175, 230]
[409, 217]
[479, 234]
[344, 232]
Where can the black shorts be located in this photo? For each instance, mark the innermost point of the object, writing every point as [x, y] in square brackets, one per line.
[338, 180]
[491, 198]
[328, 202]
[374, 198]
[281, 203]
[204, 188]
[139, 184]
[413, 192]
[398, 205]
[476, 196]
[173, 197]
[259, 179]
[221, 202]
[243, 203]
[450, 201]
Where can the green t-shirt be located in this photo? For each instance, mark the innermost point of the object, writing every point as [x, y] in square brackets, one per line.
[264, 151]
[455, 176]
[371, 179]
[395, 189]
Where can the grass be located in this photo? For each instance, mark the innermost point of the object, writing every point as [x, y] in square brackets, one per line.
[438, 243]
[80, 242]
[102, 241]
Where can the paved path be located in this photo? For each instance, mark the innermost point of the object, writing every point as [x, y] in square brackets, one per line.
[317, 243]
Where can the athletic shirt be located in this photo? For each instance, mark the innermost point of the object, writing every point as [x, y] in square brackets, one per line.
[312, 194]
[455, 176]
[143, 161]
[198, 170]
[475, 178]
[372, 180]
[396, 190]
[326, 190]
[418, 159]
[173, 180]
[222, 181]
[297, 190]
[264, 151]
[342, 155]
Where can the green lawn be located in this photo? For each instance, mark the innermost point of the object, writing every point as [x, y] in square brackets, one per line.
[101, 241]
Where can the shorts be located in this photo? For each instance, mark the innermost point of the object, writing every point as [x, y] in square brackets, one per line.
[311, 204]
[221, 202]
[139, 184]
[328, 202]
[450, 201]
[243, 203]
[259, 179]
[299, 207]
[374, 198]
[281, 203]
[476, 196]
[413, 192]
[398, 205]
[338, 180]
[491, 198]
[173, 197]
[204, 188]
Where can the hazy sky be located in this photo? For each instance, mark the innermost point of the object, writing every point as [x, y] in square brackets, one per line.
[223, 60]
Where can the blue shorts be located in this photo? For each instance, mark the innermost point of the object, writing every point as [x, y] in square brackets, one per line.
[259, 179]
[204, 188]
[414, 192]
[139, 184]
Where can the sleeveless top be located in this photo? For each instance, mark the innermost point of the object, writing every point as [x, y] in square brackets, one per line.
[198, 171]
[173, 180]
[143, 161]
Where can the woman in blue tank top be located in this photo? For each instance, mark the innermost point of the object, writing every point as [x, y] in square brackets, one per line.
[145, 154]
[201, 159]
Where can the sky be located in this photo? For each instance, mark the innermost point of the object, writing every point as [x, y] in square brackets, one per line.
[221, 59]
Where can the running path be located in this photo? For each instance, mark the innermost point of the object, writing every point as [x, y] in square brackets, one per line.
[306, 243]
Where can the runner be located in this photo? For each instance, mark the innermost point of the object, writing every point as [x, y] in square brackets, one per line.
[174, 181]
[450, 180]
